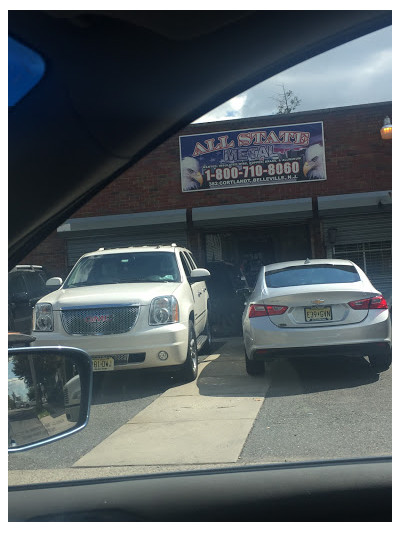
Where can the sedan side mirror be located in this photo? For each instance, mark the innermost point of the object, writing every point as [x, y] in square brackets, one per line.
[49, 394]
[199, 274]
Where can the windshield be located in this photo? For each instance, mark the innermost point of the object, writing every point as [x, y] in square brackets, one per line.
[138, 267]
[311, 275]
[191, 371]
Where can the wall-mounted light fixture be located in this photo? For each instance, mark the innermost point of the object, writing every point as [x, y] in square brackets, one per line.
[386, 129]
[332, 234]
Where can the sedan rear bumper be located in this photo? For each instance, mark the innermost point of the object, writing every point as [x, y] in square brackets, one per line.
[265, 339]
[350, 350]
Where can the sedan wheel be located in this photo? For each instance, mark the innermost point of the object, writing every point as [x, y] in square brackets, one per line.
[254, 368]
[380, 362]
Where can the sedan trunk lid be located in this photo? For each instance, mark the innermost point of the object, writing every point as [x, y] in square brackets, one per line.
[311, 306]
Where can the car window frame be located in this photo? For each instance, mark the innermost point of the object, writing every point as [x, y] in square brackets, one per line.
[191, 260]
[185, 264]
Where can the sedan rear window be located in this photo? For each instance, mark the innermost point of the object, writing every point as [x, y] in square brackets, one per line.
[311, 275]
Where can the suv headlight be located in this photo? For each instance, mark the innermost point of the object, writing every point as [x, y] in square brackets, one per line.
[43, 317]
[163, 310]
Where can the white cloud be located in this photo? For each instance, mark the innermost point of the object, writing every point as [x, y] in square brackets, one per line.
[358, 72]
[238, 102]
[379, 63]
[229, 110]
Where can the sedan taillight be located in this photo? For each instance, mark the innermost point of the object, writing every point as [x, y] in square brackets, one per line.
[376, 302]
[266, 310]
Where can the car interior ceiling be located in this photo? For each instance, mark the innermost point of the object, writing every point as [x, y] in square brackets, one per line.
[101, 107]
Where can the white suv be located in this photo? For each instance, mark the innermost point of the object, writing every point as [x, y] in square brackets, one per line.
[130, 308]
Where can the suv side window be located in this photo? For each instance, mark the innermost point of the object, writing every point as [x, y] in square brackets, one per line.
[185, 264]
[35, 283]
[16, 284]
[44, 277]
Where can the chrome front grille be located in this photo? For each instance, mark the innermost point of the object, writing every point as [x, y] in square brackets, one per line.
[120, 359]
[99, 320]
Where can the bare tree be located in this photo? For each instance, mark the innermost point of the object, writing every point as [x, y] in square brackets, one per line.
[287, 101]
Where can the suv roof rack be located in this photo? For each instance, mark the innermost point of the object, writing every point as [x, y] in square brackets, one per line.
[102, 249]
[32, 267]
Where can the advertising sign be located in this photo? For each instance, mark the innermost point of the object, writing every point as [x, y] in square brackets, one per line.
[259, 156]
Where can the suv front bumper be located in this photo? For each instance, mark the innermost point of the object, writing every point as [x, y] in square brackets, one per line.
[171, 338]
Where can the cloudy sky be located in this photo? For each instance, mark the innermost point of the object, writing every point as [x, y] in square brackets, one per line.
[359, 72]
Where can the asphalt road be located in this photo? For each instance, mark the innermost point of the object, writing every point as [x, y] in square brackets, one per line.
[313, 409]
[117, 397]
[322, 409]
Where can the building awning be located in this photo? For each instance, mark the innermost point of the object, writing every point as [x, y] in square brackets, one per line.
[252, 213]
[132, 220]
[355, 203]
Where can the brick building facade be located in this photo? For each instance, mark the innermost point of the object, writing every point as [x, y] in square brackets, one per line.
[346, 215]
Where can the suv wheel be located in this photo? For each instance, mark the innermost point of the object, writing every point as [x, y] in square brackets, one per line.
[380, 362]
[254, 368]
[191, 366]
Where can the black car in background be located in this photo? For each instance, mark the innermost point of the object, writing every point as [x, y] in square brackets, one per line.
[26, 285]
[228, 290]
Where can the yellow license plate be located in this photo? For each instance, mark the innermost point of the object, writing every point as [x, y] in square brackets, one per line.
[101, 364]
[318, 314]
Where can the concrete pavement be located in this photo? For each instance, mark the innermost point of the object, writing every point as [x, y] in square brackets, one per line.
[203, 422]
[315, 409]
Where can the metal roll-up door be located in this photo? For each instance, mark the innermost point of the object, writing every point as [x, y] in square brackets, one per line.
[367, 241]
[360, 228]
[78, 246]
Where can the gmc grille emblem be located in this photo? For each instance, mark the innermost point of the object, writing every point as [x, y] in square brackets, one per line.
[98, 318]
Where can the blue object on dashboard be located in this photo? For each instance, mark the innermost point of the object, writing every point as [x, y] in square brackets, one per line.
[25, 69]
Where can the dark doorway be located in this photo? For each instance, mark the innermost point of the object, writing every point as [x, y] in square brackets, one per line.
[260, 246]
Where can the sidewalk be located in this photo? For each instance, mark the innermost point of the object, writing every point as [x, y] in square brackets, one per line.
[203, 422]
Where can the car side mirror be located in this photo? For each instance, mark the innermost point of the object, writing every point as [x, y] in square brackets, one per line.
[49, 394]
[54, 283]
[199, 274]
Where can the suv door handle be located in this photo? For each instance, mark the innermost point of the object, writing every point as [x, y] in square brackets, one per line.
[199, 293]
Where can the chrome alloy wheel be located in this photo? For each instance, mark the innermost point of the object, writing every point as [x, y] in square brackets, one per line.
[193, 355]
[189, 369]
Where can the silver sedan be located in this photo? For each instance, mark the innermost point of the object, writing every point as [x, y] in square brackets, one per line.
[315, 307]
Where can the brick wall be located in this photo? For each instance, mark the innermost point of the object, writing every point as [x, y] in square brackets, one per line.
[52, 254]
[357, 160]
